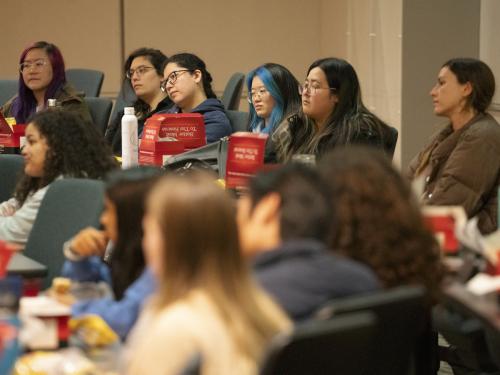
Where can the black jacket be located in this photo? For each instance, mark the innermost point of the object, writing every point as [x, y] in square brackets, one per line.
[302, 275]
[114, 132]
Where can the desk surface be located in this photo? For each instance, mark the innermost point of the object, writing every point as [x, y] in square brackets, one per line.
[26, 267]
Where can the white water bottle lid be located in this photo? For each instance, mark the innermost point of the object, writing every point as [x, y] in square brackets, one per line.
[129, 111]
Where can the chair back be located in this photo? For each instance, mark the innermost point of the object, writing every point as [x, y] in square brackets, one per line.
[403, 318]
[87, 80]
[11, 167]
[8, 88]
[100, 110]
[232, 92]
[126, 97]
[391, 144]
[238, 120]
[68, 206]
[341, 345]
[471, 326]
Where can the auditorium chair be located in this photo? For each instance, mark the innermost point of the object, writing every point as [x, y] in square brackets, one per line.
[405, 343]
[11, 167]
[86, 80]
[100, 110]
[341, 345]
[232, 92]
[68, 206]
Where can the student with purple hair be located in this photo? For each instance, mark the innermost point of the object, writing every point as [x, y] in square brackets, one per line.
[41, 77]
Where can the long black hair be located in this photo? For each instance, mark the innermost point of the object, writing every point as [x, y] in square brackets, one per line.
[349, 122]
[127, 189]
[75, 149]
[480, 77]
[193, 62]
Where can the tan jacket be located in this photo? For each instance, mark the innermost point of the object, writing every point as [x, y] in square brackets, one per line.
[164, 342]
[67, 97]
[463, 168]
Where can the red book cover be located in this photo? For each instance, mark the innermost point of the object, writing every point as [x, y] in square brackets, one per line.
[245, 156]
[189, 128]
[10, 137]
[153, 150]
[442, 220]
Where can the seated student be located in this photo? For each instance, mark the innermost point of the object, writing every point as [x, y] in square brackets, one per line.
[333, 113]
[144, 73]
[189, 85]
[58, 144]
[461, 165]
[42, 76]
[122, 265]
[378, 222]
[284, 223]
[273, 97]
[206, 303]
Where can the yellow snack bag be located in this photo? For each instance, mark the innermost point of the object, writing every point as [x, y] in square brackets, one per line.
[93, 330]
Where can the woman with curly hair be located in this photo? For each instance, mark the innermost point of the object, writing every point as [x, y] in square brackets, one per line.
[58, 144]
[377, 221]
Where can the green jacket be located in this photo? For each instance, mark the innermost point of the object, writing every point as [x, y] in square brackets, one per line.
[67, 97]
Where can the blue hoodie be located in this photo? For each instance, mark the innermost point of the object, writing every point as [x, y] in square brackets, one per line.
[302, 275]
[217, 124]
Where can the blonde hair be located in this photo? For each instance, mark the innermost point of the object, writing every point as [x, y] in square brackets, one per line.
[201, 251]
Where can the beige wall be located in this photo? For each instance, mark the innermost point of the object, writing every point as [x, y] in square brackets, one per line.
[433, 32]
[489, 50]
[229, 35]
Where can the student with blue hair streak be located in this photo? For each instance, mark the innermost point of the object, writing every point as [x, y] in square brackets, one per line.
[273, 97]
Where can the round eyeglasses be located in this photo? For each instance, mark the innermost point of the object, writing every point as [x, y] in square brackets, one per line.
[140, 71]
[260, 93]
[313, 90]
[37, 64]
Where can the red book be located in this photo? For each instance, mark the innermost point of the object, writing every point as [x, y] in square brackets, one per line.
[153, 148]
[443, 220]
[5, 255]
[10, 137]
[245, 156]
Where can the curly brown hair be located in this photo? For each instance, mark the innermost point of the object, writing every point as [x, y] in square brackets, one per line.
[377, 221]
[76, 149]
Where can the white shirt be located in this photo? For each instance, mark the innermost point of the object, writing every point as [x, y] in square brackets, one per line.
[16, 222]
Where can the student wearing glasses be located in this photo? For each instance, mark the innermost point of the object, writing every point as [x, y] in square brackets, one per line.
[144, 74]
[41, 77]
[189, 85]
[273, 97]
[333, 113]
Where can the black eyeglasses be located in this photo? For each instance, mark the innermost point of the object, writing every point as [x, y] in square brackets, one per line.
[172, 78]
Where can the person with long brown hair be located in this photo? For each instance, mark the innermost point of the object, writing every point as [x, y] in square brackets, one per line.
[206, 303]
[378, 222]
[461, 164]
